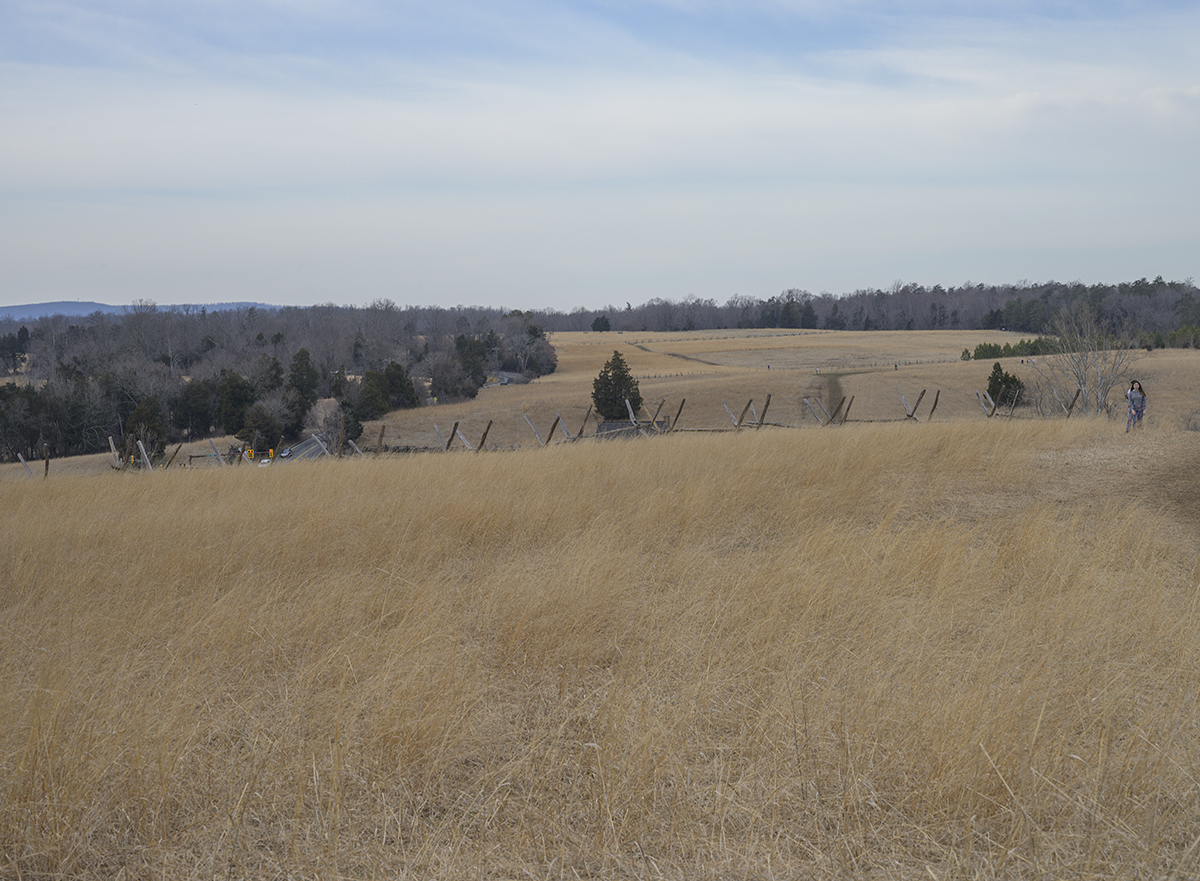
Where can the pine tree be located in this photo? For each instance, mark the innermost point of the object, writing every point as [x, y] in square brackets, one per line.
[1003, 386]
[613, 387]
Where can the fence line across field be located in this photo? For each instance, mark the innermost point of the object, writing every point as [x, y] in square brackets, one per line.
[315, 447]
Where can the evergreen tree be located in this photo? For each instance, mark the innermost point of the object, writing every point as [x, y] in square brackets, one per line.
[235, 394]
[808, 315]
[1003, 387]
[613, 387]
[194, 410]
[303, 378]
[146, 424]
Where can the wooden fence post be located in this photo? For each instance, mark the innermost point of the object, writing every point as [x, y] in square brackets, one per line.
[1074, 401]
[583, 424]
[671, 427]
[379, 443]
[563, 426]
[217, 453]
[26, 464]
[484, 438]
[46, 457]
[173, 455]
[816, 416]
[654, 418]
[762, 418]
[937, 394]
[745, 410]
[989, 413]
[535, 431]
[1016, 398]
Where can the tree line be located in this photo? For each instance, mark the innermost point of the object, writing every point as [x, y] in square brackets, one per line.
[185, 372]
[162, 375]
[1160, 313]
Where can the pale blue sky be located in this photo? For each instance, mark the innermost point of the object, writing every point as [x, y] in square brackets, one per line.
[536, 154]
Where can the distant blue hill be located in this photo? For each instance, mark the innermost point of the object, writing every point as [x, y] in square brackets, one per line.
[75, 308]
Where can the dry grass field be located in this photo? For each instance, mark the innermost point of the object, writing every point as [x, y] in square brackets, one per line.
[956, 649]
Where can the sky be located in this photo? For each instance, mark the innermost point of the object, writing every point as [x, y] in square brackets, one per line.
[532, 154]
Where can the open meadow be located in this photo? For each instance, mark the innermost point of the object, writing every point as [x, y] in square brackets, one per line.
[964, 648]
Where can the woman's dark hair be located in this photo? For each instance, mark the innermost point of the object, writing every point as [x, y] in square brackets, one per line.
[1138, 383]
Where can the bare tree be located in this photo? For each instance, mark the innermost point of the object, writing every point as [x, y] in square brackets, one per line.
[1086, 360]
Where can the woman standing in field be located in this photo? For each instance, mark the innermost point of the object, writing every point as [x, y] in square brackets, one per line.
[1136, 398]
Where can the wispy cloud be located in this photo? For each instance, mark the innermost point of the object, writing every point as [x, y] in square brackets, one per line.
[583, 149]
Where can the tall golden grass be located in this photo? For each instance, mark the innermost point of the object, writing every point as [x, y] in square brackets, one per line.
[954, 651]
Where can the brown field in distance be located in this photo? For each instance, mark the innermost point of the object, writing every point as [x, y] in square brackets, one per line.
[957, 649]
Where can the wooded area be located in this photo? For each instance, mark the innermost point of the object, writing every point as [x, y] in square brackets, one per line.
[164, 374]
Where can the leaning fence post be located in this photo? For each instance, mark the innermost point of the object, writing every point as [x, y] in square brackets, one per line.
[173, 455]
[484, 438]
[563, 426]
[583, 424]
[26, 464]
[217, 453]
[937, 394]
[762, 418]
[46, 456]
[816, 416]
[745, 410]
[1016, 398]
[535, 431]
[671, 427]
[1074, 401]
[450, 440]
[837, 410]
[991, 404]
[142, 449]
[846, 412]
[654, 418]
